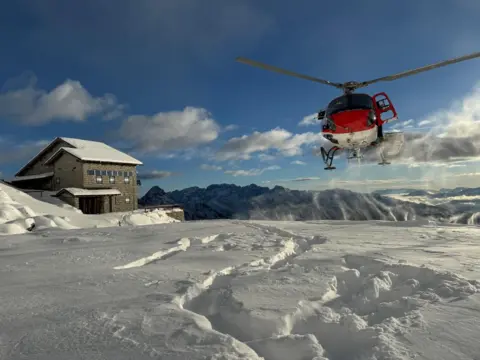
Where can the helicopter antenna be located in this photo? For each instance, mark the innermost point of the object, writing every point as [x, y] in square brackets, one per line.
[350, 86]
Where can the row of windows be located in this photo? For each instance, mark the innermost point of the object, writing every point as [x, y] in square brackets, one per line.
[111, 180]
[110, 173]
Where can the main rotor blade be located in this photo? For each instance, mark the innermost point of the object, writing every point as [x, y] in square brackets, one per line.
[286, 72]
[422, 69]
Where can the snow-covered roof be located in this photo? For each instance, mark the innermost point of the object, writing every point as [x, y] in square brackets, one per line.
[97, 154]
[88, 150]
[89, 192]
[33, 177]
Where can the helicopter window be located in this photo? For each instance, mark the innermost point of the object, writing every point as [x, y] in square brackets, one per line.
[350, 102]
[383, 104]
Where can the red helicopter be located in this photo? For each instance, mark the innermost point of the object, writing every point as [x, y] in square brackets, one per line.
[355, 121]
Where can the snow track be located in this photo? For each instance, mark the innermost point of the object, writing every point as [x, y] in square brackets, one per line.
[285, 307]
[367, 304]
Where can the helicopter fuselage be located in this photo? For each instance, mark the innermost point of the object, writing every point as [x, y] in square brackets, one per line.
[351, 121]
[351, 129]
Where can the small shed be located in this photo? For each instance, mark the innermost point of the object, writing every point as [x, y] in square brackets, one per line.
[89, 201]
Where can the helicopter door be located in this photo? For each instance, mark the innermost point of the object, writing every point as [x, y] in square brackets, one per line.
[384, 108]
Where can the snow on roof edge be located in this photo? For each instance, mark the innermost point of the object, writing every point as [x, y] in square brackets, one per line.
[33, 177]
[86, 158]
[88, 192]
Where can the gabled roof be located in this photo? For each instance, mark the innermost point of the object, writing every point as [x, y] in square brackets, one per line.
[86, 150]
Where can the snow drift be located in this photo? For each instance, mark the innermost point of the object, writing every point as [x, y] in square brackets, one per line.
[21, 213]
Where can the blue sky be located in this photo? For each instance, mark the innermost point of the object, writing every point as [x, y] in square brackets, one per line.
[158, 79]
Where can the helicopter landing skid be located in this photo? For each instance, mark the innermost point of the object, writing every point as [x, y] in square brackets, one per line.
[328, 157]
[383, 161]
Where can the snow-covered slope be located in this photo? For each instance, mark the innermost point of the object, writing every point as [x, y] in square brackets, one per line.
[234, 290]
[463, 202]
[20, 212]
[228, 201]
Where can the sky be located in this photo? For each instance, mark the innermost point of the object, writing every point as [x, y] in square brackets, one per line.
[158, 79]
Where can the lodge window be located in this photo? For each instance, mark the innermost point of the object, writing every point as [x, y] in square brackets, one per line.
[99, 180]
[57, 180]
[127, 200]
[111, 174]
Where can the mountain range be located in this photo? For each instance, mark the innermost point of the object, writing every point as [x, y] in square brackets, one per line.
[229, 201]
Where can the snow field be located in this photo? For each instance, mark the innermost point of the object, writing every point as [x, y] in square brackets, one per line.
[19, 211]
[273, 308]
[337, 290]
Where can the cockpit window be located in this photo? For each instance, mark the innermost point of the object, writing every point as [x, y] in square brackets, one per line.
[350, 102]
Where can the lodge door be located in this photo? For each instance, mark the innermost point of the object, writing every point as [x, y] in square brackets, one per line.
[91, 204]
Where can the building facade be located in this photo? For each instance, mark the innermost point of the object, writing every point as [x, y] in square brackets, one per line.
[89, 175]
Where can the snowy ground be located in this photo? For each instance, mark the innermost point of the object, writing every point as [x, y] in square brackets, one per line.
[19, 210]
[336, 290]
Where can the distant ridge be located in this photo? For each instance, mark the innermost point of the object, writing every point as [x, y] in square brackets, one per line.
[229, 201]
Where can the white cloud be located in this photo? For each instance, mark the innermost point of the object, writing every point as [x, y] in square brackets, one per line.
[155, 174]
[298, 162]
[278, 139]
[302, 179]
[310, 120]
[460, 120]
[170, 131]
[425, 122]
[230, 127]
[210, 167]
[69, 101]
[266, 157]
[403, 125]
[251, 172]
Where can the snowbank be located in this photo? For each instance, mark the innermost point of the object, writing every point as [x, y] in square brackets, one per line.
[21, 213]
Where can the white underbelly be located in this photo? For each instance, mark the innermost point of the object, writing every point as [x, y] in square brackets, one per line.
[357, 139]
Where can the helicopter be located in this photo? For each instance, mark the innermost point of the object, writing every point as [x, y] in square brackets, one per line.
[354, 121]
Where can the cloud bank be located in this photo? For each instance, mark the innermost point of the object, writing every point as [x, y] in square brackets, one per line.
[69, 101]
[278, 140]
[170, 131]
